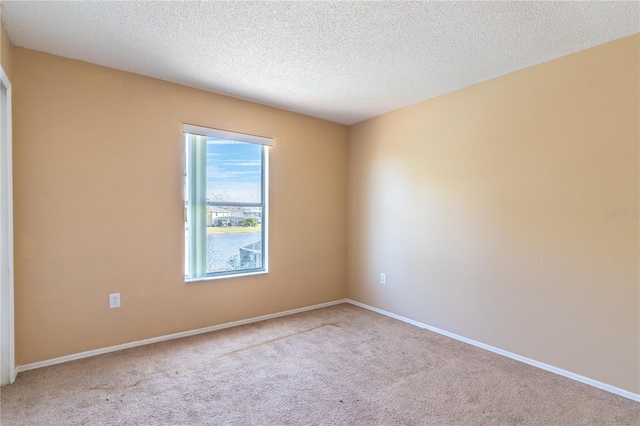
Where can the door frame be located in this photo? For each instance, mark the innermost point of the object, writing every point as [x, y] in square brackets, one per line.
[7, 340]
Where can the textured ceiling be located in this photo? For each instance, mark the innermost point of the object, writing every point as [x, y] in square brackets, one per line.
[341, 61]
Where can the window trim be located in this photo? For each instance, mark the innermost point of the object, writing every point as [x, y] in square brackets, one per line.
[225, 134]
[200, 265]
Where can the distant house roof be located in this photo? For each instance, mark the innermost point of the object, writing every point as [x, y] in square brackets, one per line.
[215, 209]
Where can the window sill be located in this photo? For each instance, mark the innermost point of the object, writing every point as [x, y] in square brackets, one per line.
[225, 276]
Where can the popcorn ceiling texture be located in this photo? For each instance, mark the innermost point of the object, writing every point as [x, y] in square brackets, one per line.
[340, 61]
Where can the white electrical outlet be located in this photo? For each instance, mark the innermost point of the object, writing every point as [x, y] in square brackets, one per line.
[383, 278]
[114, 300]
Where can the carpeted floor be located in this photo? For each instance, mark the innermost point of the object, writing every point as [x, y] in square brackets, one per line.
[333, 366]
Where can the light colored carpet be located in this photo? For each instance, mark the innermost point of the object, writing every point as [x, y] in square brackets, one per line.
[333, 366]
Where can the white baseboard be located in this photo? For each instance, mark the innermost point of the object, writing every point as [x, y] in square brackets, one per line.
[577, 377]
[101, 351]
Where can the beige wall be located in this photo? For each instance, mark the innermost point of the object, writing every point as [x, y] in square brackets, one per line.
[486, 210]
[6, 52]
[98, 154]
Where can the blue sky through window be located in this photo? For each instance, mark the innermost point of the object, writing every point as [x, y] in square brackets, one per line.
[234, 171]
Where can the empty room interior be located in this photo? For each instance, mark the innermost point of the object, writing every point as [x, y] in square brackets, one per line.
[443, 227]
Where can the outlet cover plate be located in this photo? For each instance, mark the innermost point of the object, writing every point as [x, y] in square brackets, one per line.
[114, 300]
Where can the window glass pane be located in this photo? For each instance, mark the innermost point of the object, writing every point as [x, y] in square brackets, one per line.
[234, 171]
[234, 238]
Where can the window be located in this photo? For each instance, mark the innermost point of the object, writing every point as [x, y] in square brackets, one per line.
[225, 203]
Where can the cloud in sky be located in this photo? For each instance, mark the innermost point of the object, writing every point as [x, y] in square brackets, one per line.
[234, 171]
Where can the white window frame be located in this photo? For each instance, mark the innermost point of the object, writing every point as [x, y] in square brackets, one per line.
[195, 252]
